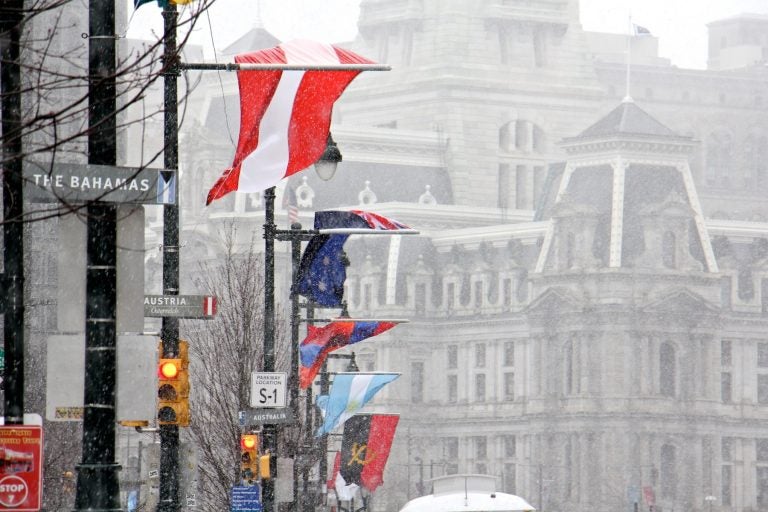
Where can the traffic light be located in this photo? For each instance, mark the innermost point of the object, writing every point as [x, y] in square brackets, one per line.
[249, 458]
[264, 469]
[173, 388]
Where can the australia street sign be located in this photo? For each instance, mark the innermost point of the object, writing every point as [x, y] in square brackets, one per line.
[268, 416]
[80, 183]
[180, 306]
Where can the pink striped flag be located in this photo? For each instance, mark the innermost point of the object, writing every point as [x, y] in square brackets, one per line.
[285, 116]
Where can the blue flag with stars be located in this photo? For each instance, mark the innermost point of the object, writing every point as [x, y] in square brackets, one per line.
[323, 267]
[323, 270]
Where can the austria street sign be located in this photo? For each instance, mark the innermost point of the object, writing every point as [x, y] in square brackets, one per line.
[180, 306]
[21, 449]
[80, 183]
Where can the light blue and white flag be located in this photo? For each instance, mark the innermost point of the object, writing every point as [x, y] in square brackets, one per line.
[349, 393]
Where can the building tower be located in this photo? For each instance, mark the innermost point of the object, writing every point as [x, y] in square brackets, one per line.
[624, 318]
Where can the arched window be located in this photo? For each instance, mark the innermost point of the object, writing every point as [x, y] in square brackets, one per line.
[754, 155]
[570, 250]
[668, 475]
[568, 369]
[521, 135]
[668, 245]
[718, 151]
[667, 369]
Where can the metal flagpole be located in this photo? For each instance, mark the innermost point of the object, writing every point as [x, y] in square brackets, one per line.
[627, 96]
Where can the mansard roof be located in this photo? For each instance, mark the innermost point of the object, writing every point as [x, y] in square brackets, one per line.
[627, 119]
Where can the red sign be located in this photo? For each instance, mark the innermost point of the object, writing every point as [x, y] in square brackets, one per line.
[21, 467]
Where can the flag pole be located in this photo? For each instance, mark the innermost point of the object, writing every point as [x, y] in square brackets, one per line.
[627, 96]
[366, 231]
[250, 66]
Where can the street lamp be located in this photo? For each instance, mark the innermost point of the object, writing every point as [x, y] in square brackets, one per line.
[326, 168]
[710, 499]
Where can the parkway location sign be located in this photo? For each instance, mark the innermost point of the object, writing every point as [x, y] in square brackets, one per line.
[180, 306]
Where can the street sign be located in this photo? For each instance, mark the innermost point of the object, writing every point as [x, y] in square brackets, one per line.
[268, 389]
[246, 498]
[80, 183]
[268, 416]
[21, 450]
[180, 306]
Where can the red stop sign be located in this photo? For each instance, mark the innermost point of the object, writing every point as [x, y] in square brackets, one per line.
[13, 491]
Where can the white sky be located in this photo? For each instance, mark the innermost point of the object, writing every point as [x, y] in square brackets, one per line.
[679, 24]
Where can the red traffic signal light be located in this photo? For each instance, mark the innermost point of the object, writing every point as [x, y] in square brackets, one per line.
[249, 459]
[173, 388]
[249, 442]
[169, 369]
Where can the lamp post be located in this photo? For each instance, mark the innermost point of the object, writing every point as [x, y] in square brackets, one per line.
[711, 500]
[325, 168]
[325, 385]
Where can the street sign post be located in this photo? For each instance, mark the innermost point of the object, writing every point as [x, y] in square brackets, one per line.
[21, 449]
[268, 389]
[81, 183]
[246, 498]
[180, 306]
[268, 416]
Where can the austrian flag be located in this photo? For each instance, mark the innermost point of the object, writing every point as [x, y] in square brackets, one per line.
[285, 115]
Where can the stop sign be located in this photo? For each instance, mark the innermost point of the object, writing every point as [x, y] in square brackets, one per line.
[13, 491]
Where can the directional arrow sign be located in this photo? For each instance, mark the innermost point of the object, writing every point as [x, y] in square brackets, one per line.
[180, 306]
[80, 183]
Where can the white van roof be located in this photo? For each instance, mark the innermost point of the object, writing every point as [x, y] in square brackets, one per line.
[467, 493]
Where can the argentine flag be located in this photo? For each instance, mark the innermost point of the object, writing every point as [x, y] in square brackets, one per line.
[349, 393]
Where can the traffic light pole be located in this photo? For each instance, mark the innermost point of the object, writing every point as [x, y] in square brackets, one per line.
[169, 434]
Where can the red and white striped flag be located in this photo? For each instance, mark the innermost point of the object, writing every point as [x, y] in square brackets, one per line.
[285, 116]
[209, 305]
[290, 204]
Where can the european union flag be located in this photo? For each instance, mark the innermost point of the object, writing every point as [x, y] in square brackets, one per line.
[323, 270]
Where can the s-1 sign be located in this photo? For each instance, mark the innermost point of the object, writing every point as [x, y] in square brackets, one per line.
[268, 389]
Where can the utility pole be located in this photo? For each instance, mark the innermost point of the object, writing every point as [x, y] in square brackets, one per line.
[97, 483]
[169, 434]
[13, 234]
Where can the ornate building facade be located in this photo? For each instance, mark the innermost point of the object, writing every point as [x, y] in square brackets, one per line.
[588, 293]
